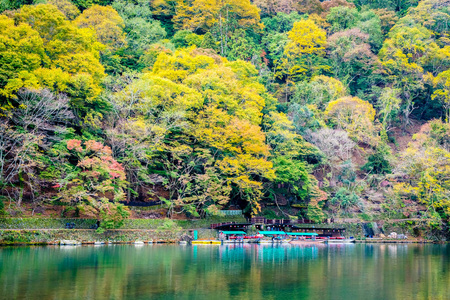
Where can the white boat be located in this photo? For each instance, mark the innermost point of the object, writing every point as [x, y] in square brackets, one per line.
[274, 241]
[232, 241]
[339, 241]
[306, 242]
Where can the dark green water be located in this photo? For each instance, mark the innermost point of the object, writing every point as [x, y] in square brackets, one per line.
[226, 272]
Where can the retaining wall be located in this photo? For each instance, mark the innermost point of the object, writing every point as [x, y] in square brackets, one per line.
[51, 236]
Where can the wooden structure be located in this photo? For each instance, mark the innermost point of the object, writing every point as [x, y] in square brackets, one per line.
[230, 226]
[261, 223]
[322, 232]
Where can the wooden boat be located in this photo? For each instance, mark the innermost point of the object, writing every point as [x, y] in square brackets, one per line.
[206, 242]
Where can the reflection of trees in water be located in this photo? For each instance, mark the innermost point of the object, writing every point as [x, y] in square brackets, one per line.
[248, 271]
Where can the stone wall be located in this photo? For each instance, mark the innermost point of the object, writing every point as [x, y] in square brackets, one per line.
[50, 236]
[60, 223]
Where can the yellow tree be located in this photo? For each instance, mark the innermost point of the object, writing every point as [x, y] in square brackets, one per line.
[244, 159]
[442, 93]
[44, 18]
[107, 24]
[354, 115]
[53, 53]
[220, 17]
[202, 15]
[304, 52]
[203, 113]
[22, 50]
[66, 7]
[306, 38]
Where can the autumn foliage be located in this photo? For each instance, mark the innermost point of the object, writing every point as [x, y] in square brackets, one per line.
[313, 109]
[97, 183]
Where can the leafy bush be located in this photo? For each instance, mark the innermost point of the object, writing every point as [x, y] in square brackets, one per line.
[345, 199]
[378, 163]
[269, 214]
[185, 38]
[365, 217]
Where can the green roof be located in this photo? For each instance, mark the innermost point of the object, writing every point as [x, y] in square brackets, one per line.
[233, 232]
[302, 233]
[271, 232]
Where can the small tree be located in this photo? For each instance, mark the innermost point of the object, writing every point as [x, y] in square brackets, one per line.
[209, 42]
[345, 199]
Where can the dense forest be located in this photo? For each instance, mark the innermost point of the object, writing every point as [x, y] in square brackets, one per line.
[316, 109]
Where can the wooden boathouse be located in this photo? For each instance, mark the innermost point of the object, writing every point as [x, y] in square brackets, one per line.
[300, 226]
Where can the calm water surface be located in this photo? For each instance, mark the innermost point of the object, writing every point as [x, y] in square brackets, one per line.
[226, 272]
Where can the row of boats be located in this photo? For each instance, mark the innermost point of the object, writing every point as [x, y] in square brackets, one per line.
[273, 237]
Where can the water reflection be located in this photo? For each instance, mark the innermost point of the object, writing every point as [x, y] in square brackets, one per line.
[340, 271]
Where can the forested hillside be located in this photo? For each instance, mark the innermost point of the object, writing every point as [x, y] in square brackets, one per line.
[297, 108]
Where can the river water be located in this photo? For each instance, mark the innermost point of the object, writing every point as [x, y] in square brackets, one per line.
[345, 271]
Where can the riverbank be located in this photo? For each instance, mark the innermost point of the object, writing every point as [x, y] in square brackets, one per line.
[14, 231]
[395, 241]
[43, 231]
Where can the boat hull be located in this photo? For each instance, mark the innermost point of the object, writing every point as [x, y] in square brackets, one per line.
[206, 242]
[306, 242]
[345, 241]
[286, 241]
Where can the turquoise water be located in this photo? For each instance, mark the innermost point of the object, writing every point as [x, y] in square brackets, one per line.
[343, 271]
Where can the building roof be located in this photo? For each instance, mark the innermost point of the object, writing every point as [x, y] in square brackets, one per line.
[233, 232]
[302, 233]
[271, 232]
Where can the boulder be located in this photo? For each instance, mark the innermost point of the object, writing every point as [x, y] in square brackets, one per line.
[402, 237]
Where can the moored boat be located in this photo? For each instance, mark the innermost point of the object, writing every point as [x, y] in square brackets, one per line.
[206, 242]
[306, 242]
[274, 241]
[339, 241]
[272, 237]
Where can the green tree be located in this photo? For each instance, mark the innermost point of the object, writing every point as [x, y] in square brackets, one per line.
[344, 199]
[209, 42]
[141, 29]
[241, 46]
[342, 18]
